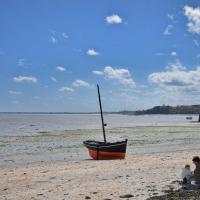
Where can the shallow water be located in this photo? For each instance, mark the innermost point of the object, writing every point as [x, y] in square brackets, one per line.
[31, 124]
[28, 138]
[68, 145]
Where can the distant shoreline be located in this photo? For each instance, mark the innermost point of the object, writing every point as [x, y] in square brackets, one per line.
[160, 110]
[58, 113]
[93, 113]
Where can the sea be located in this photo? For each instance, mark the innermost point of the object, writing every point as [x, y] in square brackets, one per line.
[20, 124]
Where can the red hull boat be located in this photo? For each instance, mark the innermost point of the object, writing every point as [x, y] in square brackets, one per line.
[105, 150]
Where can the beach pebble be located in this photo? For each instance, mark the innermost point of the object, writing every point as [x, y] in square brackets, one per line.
[126, 196]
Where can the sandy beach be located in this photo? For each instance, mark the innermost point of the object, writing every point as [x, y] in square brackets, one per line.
[139, 176]
[154, 159]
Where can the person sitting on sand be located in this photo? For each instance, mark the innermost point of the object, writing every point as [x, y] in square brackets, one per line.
[196, 174]
[186, 174]
[194, 183]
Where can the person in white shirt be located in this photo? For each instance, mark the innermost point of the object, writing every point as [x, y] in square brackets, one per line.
[186, 174]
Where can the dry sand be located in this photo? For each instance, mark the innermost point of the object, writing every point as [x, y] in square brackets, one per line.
[139, 176]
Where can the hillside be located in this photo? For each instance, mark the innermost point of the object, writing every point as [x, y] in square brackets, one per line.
[182, 109]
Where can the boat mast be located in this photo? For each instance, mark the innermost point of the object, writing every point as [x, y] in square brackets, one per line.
[102, 121]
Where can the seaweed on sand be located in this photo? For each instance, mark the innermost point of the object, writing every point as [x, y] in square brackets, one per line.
[178, 195]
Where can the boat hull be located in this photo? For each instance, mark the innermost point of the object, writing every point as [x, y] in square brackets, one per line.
[106, 151]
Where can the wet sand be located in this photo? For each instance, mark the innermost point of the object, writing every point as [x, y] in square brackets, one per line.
[67, 145]
[152, 166]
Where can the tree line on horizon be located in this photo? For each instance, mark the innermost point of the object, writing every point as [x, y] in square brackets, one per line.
[165, 109]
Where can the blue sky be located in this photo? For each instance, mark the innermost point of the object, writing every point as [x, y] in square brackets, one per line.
[142, 53]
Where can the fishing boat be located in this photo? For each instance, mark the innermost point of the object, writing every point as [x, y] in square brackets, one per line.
[105, 150]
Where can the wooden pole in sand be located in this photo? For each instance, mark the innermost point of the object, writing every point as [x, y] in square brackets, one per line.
[102, 121]
[199, 118]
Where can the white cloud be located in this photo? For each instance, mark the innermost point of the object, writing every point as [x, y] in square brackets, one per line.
[193, 15]
[56, 36]
[28, 79]
[60, 68]
[14, 92]
[120, 74]
[114, 19]
[52, 39]
[175, 66]
[21, 62]
[173, 53]
[168, 30]
[116, 73]
[185, 80]
[97, 72]
[127, 81]
[66, 89]
[80, 83]
[53, 79]
[92, 52]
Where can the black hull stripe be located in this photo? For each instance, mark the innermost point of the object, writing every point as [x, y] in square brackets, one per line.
[105, 146]
[120, 148]
[110, 150]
